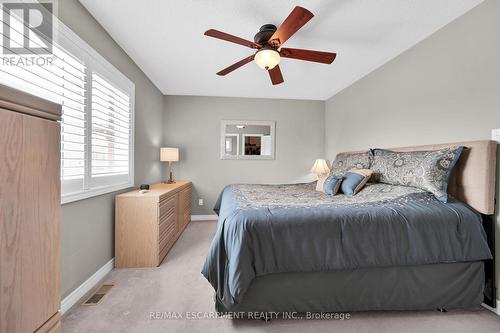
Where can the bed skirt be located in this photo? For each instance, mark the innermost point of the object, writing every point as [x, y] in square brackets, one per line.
[448, 286]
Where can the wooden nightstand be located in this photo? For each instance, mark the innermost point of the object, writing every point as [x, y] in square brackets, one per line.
[147, 225]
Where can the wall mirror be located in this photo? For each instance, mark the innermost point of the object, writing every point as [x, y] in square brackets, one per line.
[247, 139]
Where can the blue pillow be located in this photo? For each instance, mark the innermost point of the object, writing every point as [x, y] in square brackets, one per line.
[332, 184]
[329, 184]
[355, 180]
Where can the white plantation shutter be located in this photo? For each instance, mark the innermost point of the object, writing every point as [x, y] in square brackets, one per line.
[110, 132]
[73, 128]
[97, 103]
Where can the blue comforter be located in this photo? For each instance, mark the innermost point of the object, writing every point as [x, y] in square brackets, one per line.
[266, 229]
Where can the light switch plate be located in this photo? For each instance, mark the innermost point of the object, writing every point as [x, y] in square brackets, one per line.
[200, 202]
[495, 135]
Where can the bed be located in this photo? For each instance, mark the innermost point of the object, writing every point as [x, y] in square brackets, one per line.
[282, 248]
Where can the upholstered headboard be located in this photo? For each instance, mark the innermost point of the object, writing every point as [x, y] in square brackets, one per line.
[474, 178]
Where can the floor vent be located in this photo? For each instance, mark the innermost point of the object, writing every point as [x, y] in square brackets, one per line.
[97, 297]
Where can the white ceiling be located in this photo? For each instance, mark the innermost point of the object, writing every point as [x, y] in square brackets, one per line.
[165, 38]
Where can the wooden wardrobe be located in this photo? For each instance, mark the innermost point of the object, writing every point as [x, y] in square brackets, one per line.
[30, 206]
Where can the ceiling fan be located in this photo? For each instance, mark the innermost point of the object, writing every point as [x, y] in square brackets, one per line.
[268, 42]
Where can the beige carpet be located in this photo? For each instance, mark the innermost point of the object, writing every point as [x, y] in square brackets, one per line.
[177, 286]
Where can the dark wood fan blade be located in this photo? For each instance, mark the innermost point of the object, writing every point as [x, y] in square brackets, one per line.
[308, 55]
[296, 20]
[236, 65]
[230, 38]
[276, 76]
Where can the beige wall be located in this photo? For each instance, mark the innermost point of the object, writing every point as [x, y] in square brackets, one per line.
[193, 124]
[447, 88]
[87, 228]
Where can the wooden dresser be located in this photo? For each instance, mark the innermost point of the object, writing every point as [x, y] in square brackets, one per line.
[30, 205]
[147, 225]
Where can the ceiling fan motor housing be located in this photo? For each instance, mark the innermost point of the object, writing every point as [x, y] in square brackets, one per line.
[265, 32]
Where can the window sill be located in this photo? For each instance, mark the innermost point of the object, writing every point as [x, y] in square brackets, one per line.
[93, 193]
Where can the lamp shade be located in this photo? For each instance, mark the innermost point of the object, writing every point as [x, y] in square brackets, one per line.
[320, 167]
[168, 154]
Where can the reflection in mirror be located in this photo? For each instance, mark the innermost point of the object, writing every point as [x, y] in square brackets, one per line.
[247, 139]
[252, 144]
[232, 144]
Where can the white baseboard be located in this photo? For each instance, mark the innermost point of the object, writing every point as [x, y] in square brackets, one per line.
[212, 217]
[494, 310]
[77, 294]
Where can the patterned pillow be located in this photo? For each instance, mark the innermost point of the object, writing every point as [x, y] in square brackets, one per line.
[355, 180]
[427, 170]
[328, 184]
[346, 161]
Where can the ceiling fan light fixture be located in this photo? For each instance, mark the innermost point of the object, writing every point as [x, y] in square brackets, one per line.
[267, 58]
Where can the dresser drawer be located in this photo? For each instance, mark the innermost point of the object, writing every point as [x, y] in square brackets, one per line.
[185, 198]
[187, 217]
[166, 224]
[167, 207]
[167, 239]
[165, 197]
[168, 236]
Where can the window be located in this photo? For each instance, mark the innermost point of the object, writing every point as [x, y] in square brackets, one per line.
[98, 108]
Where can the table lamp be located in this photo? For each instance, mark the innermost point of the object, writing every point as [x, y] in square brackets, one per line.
[168, 154]
[320, 167]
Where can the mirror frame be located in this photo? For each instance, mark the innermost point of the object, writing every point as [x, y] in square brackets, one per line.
[270, 123]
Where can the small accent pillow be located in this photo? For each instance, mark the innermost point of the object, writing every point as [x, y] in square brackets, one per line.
[355, 180]
[347, 161]
[427, 170]
[329, 184]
